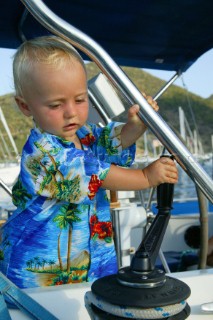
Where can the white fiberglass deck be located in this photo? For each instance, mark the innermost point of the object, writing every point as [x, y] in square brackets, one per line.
[67, 302]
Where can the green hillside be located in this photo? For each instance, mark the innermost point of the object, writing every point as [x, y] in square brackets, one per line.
[199, 111]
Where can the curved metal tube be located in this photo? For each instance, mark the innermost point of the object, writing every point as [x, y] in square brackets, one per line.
[114, 73]
[5, 187]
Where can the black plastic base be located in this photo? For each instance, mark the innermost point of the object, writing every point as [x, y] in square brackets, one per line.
[101, 315]
[171, 292]
[154, 278]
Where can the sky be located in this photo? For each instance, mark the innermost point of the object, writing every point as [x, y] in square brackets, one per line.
[197, 79]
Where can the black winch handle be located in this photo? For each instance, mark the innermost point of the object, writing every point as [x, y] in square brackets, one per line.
[147, 252]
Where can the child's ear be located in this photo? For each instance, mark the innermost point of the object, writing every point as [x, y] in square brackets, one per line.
[23, 106]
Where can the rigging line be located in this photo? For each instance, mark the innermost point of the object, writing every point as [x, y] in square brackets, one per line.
[190, 107]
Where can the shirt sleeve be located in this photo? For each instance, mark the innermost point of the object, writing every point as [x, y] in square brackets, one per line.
[108, 148]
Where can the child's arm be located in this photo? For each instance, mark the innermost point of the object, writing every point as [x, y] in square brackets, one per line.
[160, 171]
[135, 127]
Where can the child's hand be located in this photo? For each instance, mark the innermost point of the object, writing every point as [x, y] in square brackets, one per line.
[135, 127]
[152, 102]
[163, 170]
[133, 111]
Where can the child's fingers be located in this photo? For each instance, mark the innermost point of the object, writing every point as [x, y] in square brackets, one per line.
[172, 177]
[167, 160]
[133, 110]
[155, 106]
[152, 102]
[171, 172]
[163, 170]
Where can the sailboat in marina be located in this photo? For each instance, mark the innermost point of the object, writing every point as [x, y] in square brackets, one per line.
[9, 167]
[8, 132]
[192, 138]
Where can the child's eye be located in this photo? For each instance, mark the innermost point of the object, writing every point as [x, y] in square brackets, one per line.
[80, 100]
[54, 106]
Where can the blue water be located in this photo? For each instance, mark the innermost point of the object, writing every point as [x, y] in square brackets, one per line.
[185, 188]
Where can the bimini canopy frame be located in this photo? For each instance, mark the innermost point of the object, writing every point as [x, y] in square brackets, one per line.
[95, 52]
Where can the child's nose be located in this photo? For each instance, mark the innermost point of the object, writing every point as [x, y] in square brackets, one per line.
[70, 110]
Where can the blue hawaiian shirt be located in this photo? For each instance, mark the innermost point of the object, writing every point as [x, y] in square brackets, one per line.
[61, 231]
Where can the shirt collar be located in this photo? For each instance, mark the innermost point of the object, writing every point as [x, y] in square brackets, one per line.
[85, 134]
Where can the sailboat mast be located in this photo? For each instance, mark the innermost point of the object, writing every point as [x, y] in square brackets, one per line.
[4, 122]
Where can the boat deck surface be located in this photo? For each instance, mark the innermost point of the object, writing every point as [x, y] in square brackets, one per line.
[67, 301]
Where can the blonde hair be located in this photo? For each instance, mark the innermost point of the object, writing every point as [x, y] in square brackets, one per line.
[50, 50]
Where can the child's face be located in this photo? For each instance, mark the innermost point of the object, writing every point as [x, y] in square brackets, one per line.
[57, 99]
